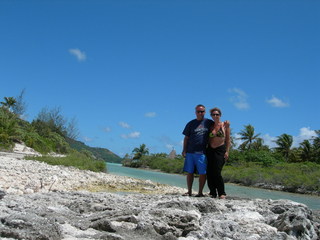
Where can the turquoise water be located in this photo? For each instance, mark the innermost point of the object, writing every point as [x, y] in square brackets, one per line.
[312, 202]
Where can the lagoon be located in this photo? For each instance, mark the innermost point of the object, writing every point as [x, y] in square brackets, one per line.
[313, 202]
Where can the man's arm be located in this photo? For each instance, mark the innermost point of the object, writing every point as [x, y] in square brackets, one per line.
[185, 142]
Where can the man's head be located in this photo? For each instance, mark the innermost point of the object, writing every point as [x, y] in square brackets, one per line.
[200, 111]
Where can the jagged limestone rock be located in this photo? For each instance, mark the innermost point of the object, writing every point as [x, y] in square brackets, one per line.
[85, 215]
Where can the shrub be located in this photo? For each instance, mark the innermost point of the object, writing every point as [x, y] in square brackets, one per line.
[75, 159]
[35, 141]
[264, 157]
[8, 127]
[292, 176]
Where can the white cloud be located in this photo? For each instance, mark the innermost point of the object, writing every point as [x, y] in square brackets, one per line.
[276, 102]
[87, 139]
[305, 134]
[239, 99]
[124, 124]
[107, 129]
[236, 141]
[150, 114]
[81, 56]
[168, 143]
[269, 140]
[131, 135]
[169, 146]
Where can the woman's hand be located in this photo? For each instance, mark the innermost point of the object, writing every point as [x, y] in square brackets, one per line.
[226, 155]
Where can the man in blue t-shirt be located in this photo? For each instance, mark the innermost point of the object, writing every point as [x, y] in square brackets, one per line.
[194, 144]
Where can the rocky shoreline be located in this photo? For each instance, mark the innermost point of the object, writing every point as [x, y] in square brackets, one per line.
[300, 190]
[39, 201]
[282, 188]
[19, 176]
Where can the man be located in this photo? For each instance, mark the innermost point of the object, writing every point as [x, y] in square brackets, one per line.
[194, 144]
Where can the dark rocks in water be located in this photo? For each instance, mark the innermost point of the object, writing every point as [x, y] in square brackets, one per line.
[84, 215]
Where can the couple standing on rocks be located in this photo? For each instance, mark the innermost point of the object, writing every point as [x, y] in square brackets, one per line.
[206, 148]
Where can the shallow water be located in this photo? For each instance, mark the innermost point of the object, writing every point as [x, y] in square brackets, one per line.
[312, 202]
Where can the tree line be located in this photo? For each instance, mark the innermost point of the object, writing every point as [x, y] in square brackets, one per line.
[46, 133]
[307, 151]
[252, 149]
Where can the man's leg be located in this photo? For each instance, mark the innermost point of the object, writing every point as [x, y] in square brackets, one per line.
[202, 182]
[202, 169]
[190, 177]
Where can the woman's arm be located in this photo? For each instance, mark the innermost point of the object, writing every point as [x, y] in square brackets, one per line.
[227, 139]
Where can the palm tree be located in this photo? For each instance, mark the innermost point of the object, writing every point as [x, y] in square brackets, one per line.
[8, 129]
[306, 151]
[258, 145]
[284, 143]
[9, 102]
[248, 136]
[141, 151]
[316, 146]
[316, 140]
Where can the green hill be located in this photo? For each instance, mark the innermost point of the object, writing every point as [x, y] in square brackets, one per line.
[99, 153]
[49, 132]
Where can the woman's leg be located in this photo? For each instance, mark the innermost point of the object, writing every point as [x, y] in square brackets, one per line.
[210, 172]
[220, 161]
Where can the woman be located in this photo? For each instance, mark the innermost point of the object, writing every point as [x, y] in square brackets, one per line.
[217, 153]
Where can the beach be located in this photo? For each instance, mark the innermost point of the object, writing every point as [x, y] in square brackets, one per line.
[19, 176]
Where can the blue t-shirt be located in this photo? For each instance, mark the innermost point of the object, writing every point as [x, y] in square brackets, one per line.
[198, 133]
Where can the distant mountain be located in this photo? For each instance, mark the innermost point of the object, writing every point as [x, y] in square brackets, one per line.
[99, 153]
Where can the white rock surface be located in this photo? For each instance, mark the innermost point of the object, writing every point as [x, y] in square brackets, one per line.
[19, 176]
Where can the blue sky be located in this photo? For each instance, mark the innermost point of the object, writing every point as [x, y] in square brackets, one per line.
[132, 71]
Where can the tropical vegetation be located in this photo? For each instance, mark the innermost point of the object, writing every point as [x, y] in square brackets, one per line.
[79, 160]
[288, 168]
[49, 132]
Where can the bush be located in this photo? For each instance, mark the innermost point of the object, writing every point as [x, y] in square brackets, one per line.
[35, 141]
[165, 164]
[8, 128]
[158, 161]
[75, 159]
[57, 143]
[292, 176]
[264, 157]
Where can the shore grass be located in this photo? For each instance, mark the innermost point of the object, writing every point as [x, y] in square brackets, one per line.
[292, 176]
[75, 159]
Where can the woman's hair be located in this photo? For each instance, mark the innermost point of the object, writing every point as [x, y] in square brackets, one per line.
[216, 109]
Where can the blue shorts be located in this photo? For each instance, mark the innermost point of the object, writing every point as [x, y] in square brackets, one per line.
[195, 162]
